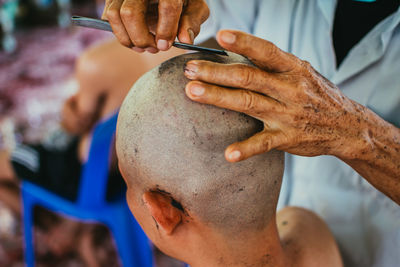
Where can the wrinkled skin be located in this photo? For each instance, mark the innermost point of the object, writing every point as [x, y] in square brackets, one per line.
[153, 25]
[303, 113]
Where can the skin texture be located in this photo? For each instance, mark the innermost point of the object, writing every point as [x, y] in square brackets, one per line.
[154, 25]
[303, 113]
[306, 238]
[192, 203]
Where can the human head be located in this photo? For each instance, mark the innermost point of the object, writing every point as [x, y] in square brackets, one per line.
[171, 154]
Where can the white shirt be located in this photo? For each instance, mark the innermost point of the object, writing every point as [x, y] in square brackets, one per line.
[365, 222]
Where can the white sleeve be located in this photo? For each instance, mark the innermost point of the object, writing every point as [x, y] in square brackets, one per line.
[229, 14]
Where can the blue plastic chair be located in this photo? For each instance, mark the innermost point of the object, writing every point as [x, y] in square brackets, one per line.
[132, 245]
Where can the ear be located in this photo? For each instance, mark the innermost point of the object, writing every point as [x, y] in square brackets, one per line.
[162, 210]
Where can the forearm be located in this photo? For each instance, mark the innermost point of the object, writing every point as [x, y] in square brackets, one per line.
[374, 152]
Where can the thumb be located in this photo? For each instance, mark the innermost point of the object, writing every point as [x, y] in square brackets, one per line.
[261, 52]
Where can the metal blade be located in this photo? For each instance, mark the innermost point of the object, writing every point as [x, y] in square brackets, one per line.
[91, 23]
[105, 26]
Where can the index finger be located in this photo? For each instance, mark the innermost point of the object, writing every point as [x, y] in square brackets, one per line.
[244, 101]
[261, 52]
[133, 15]
[112, 14]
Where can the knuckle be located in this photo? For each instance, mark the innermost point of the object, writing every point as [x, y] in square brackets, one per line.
[219, 98]
[266, 143]
[210, 70]
[301, 82]
[112, 14]
[249, 101]
[246, 76]
[141, 43]
[125, 42]
[270, 50]
[127, 12]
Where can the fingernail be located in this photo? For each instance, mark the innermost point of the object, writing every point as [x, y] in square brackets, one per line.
[234, 155]
[162, 44]
[191, 35]
[197, 90]
[191, 70]
[137, 49]
[151, 49]
[228, 37]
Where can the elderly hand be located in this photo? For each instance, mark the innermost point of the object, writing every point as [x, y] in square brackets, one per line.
[303, 113]
[153, 25]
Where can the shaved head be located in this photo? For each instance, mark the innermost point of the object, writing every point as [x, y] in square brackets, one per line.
[170, 144]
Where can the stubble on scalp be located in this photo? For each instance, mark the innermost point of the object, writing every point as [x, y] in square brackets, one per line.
[168, 142]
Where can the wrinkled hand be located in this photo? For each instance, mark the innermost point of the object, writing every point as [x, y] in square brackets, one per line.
[153, 25]
[303, 113]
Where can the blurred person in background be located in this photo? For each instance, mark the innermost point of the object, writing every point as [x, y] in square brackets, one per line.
[104, 74]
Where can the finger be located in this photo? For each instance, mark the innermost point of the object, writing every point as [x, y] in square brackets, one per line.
[133, 15]
[261, 142]
[261, 52]
[195, 13]
[169, 13]
[245, 101]
[234, 75]
[112, 14]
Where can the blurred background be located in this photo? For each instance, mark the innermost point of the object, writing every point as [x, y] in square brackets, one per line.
[37, 57]
[38, 50]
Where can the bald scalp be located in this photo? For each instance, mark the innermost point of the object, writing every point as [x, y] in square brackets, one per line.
[169, 143]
